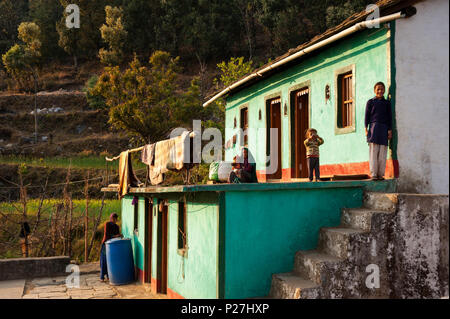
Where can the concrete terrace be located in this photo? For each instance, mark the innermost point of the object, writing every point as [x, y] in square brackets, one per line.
[388, 185]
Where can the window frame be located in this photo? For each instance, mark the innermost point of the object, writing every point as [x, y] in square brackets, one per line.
[182, 251]
[338, 74]
[136, 217]
[244, 137]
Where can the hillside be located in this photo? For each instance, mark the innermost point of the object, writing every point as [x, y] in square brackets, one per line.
[74, 132]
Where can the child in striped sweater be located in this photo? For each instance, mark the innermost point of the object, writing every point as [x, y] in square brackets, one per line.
[312, 143]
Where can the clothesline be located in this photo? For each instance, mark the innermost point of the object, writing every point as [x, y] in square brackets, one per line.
[110, 159]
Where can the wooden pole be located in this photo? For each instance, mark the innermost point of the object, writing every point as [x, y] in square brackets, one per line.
[69, 235]
[23, 198]
[35, 110]
[86, 218]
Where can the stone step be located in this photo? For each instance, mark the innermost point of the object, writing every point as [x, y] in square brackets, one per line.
[381, 201]
[336, 241]
[291, 286]
[360, 218]
[313, 264]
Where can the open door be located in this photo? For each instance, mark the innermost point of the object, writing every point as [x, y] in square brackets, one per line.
[161, 285]
[299, 125]
[274, 122]
[148, 239]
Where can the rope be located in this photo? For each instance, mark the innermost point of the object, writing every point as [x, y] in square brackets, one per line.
[75, 182]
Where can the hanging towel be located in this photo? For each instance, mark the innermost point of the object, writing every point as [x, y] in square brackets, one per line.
[162, 156]
[148, 158]
[148, 154]
[171, 154]
[126, 175]
[179, 152]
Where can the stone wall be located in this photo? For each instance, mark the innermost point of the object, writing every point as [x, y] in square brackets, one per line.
[17, 268]
[420, 235]
[422, 98]
[396, 246]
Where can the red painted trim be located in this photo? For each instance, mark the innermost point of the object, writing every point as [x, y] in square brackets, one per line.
[173, 295]
[139, 274]
[392, 170]
[153, 284]
[286, 174]
[345, 169]
[261, 176]
[170, 293]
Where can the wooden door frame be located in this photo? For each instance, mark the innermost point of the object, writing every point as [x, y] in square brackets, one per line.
[268, 108]
[148, 240]
[292, 100]
[298, 150]
[162, 250]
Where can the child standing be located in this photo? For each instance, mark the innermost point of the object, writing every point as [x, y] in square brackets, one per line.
[312, 143]
[378, 118]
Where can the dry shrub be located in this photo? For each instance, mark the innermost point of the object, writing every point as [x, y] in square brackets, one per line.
[86, 153]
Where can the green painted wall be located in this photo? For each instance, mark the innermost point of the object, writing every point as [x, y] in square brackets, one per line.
[127, 217]
[263, 231]
[368, 51]
[194, 276]
[137, 238]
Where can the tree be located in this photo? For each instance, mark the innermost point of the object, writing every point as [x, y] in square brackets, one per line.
[114, 34]
[70, 40]
[233, 70]
[83, 41]
[22, 60]
[11, 14]
[142, 21]
[249, 11]
[44, 13]
[146, 101]
[337, 13]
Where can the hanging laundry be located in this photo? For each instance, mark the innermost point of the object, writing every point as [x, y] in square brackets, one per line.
[127, 177]
[179, 152]
[148, 154]
[148, 158]
[162, 155]
[171, 154]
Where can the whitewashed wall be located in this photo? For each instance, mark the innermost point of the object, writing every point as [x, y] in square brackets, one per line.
[422, 102]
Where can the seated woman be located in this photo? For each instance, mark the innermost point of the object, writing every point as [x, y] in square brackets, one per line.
[243, 172]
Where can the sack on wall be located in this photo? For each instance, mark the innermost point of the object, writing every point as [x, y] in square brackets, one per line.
[224, 171]
[214, 171]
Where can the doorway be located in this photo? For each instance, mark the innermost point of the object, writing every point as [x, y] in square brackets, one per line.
[273, 109]
[161, 280]
[299, 125]
[148, 239]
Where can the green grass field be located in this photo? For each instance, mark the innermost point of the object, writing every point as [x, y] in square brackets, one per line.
[10, 216]
[79, 206]
[83, 162]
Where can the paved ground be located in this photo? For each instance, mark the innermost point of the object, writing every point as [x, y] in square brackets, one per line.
[88, 287]
[11, 289]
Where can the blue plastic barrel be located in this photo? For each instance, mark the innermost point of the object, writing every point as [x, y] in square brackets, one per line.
[119, 261]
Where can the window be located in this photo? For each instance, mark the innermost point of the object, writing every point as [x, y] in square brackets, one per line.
[136, 214]
[182, 226]
[345, 100]
[244, 124]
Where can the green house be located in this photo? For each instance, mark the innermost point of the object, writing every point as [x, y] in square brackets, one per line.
[227, 240]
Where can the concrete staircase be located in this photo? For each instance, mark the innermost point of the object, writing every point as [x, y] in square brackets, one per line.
[338, 267]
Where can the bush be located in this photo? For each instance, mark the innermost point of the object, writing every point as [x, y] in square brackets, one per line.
[86, 153]
[5, 134]
[94, 100]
